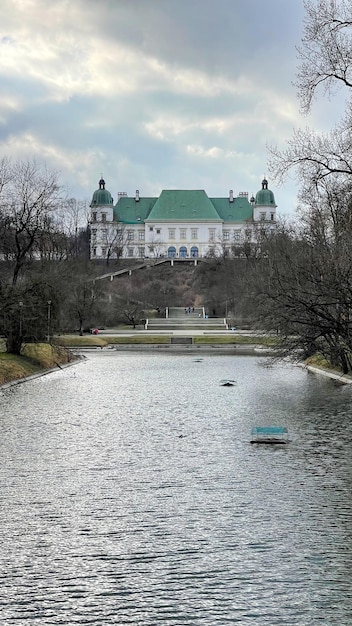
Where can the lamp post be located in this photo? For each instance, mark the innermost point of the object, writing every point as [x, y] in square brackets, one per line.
[48, 320]
[20, 304]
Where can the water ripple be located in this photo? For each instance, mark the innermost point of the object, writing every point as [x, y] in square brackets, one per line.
[130, 495]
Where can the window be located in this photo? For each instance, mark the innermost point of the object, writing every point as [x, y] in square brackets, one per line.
[141, 235]
[183, 233]
[150, 229]
[194, 233]
[171, 253]
[94, 216]
[94, 251]
[158, 231]
[94, 233]
[237, 235]
[248, 233]
[141, 251]
[262, 216]
[226, 235]
[211, 234]
[129, 251]
[272, 216]
[183, 252]
[103, 252]
[194, 252]
[130, 235]
[171, 233]
[103, 217]
[104, 233]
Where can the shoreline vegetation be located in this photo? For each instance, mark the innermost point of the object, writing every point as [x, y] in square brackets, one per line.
[102, 341]
[36, 358]
[39, 358]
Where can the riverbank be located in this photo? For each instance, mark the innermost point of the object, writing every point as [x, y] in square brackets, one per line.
[42, 358]
[35, 360]
[344, 379]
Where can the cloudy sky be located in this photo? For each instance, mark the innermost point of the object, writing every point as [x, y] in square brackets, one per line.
[154, 94]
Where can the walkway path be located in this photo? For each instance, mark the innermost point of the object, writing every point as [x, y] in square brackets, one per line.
[147, 263]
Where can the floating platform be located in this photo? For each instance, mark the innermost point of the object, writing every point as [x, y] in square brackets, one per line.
[269, 434]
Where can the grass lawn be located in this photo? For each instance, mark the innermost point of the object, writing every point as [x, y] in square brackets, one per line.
[76, 341]
[91, 341]
[35, 358]
[13, 367]
[235, 340]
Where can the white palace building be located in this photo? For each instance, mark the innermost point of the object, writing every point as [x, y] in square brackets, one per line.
[177, 224]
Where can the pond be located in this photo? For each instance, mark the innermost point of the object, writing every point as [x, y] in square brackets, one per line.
[130, 494]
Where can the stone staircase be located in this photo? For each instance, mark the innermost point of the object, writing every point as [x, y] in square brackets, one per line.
[186, 319]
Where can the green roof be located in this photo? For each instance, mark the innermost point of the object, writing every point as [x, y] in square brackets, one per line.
[265, 197]
[132, 211]
[239, 210]
[183, 205]
[101, 197]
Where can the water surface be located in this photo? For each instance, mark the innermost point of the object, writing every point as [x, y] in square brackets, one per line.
[130, 494]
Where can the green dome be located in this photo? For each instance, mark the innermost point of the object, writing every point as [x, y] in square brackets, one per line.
[265, 197]
[101, 197]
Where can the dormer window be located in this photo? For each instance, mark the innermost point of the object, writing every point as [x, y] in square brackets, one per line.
[103, 217]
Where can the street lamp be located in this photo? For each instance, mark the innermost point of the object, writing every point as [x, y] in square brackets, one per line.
[20, 304]
[48, 320]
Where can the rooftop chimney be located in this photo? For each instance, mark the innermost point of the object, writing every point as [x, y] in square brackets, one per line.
[137, 195]
[231, 195]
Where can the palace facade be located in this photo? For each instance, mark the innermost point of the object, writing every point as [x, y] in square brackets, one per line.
[178, 223]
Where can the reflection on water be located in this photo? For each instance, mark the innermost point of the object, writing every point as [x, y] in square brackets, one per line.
[130, 495]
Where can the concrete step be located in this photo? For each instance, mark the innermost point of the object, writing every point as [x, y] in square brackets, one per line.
[170, 327]
[182, 312]
[211, 321]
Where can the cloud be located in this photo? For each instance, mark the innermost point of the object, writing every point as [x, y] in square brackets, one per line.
[152, 93]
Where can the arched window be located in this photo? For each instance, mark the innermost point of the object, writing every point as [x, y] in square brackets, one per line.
[171, 253]
[183, 252]
[194, 252]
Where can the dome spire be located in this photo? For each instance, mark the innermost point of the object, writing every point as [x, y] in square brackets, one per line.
[265, 197]
[101, 197]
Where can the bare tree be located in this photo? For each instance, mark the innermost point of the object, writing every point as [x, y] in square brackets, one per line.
[113, 239]
[325, 51]
[155, 247]
[326, 63]
[6, 174]
[72, 219]
[28, 196]
[302, 284]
